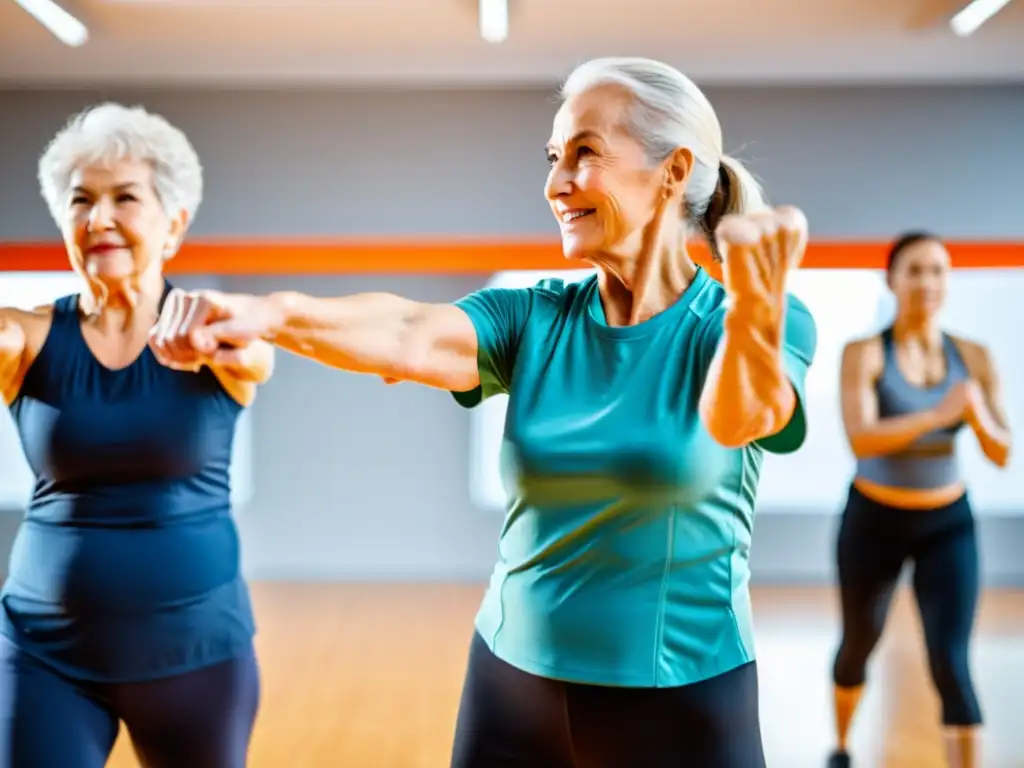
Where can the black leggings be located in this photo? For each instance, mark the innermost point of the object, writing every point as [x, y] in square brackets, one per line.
[512, 719]
[874, 542]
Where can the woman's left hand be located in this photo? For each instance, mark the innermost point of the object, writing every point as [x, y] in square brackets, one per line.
[169, 339]
[759, 251]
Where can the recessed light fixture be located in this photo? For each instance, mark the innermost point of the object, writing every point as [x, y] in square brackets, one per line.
[494, 20]
[59, 22]
[974, 14]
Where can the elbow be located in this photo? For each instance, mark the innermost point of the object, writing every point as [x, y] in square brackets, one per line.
[737, 407]
[268, 363]
[865, 446]
[725, 435]
[995, 442]
[267, 373]
[860, 447]
[736, 428]
[1000, 456]
[262, 367]
[256, 365]
[260, 374]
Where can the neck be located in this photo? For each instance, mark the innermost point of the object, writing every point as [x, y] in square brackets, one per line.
[121, 304]
[635, 289]
[916, 326]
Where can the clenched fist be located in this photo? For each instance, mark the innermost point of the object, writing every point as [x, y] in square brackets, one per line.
[208, 327]
[961, 401]
[759, 251]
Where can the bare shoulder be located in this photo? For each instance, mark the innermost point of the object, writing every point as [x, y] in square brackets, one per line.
[31, 328]
[34, 322]
[976, 355]
[40, 314]
[865, 354]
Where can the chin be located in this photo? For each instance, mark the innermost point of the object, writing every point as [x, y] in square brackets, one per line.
[576, 249]
[924, 310]
[111, 268]
[929, 302]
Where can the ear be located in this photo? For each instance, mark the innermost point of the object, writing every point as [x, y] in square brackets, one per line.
[889, 280]
[179, 225]
[678, 166]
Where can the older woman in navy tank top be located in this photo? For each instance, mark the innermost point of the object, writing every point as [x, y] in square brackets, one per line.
[124, 600]
[906, 393]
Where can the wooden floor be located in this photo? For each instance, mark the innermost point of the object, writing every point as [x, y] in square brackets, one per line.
[344, 684]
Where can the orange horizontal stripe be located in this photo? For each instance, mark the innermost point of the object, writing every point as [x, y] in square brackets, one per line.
[451, 257]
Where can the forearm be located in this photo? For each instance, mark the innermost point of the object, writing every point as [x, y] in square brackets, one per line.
[747, 395]
[360, 333]
[995, 439]
[892, 434]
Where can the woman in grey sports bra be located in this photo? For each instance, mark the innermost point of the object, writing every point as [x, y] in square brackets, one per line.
[906, 393]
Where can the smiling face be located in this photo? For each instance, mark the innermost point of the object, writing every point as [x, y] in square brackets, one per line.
[919, 277]
[115, 225]
[602, 188]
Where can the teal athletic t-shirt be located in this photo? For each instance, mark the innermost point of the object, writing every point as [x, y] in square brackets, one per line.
[623, 559]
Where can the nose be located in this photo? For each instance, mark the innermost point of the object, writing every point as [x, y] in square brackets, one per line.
[101, 215]
[559, 181]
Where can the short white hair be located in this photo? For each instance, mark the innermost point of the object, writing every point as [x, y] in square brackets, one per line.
[672, 112]
[110, 132]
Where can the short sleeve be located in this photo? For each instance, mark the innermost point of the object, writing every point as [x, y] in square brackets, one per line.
[499, 316]
[800, 342]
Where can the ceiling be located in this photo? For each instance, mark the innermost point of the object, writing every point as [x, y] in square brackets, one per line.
[436, 42]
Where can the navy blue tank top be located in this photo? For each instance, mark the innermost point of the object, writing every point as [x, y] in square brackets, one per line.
[931, 460]
[126, 566]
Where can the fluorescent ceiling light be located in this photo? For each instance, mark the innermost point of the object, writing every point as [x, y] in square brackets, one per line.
[61, 24]
[974, 15]
[494, 20]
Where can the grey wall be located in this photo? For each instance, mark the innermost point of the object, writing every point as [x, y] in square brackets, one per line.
[357, 480]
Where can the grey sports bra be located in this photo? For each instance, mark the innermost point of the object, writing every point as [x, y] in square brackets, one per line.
[931, 461]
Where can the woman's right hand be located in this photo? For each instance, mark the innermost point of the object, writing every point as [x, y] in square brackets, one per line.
[956, 405]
